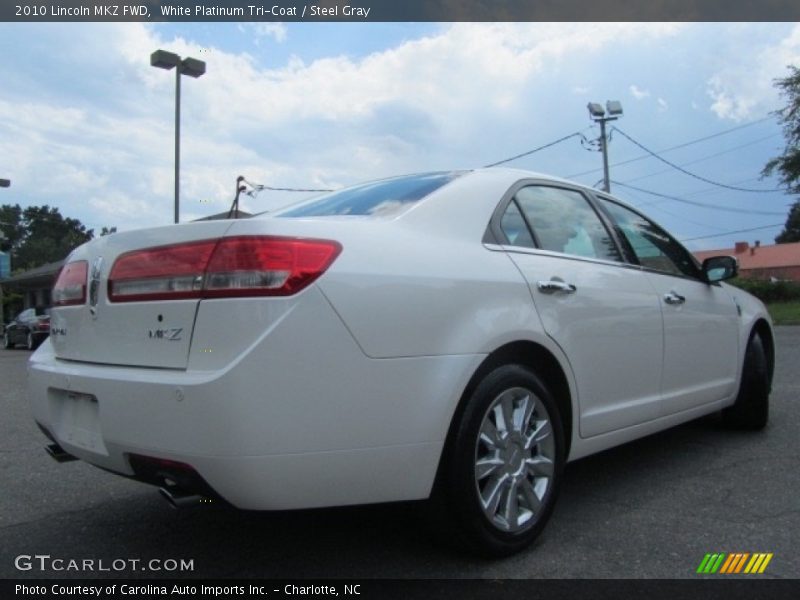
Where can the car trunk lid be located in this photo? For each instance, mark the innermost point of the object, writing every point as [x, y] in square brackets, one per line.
[136, 333]
[132, 298]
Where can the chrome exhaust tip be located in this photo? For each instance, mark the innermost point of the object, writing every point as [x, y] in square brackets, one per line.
[58, 454]
[178, 499]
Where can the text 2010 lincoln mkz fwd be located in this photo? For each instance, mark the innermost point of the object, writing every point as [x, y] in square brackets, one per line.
[456, 336]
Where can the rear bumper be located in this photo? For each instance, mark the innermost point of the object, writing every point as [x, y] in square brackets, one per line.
[292, 423]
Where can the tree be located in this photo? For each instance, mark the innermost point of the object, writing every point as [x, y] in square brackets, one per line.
[38, 235]
[787, 165]
[791, 231]
[11, 226]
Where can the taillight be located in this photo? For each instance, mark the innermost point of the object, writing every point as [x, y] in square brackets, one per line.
[230, 267]
[163, 273]
[266, 266]
[70, 287]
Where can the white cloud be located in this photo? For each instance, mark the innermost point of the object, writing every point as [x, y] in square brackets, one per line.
[637, 93]
[745, 89]
[322, 123]
[662, 105]
[276, 31]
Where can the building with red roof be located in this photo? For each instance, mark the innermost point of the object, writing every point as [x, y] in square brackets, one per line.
[779, 261]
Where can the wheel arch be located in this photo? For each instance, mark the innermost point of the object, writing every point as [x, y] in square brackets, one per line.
[546, 366]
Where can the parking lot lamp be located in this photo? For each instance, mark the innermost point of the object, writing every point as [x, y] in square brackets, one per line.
[186, 66]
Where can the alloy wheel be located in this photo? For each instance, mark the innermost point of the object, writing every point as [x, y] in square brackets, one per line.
[515, 457]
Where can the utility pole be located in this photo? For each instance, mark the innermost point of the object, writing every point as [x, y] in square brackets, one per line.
[598, 115]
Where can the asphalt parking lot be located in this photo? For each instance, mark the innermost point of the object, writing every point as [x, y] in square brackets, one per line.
[650, 509]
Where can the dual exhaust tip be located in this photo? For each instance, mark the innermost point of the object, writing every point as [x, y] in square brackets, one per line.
[174, 496]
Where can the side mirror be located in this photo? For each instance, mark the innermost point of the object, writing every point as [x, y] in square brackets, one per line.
[719, 268]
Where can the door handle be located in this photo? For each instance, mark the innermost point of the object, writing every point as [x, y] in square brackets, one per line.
[674, 298]
[554, 285]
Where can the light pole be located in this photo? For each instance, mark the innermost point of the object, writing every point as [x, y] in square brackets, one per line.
[186, 66]
[598, 115]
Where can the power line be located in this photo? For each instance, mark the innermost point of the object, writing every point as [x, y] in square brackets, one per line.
[682, 218]
[716, 190]
[529, 152]
[258, 187]
[705, 237]
[708, 157]
[701, 204]
[683, 145]
[689, 173]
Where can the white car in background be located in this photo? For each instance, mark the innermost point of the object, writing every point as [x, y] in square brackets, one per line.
[454, 335]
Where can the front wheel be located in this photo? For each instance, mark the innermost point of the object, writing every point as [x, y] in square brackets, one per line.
[7, 341]
[502, 467]
[751, 409]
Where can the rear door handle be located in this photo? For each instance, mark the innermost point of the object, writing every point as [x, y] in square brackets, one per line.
[554, 285]
[674, 298]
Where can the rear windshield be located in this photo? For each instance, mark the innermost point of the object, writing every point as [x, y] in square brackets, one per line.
[387, 197]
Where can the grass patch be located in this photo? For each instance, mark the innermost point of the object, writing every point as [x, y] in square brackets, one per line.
[785, 313]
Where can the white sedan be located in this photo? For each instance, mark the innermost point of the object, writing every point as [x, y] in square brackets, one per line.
[457, 336]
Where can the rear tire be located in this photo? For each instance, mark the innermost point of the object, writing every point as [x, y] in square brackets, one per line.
[501, 469]
[751, 409]
[30, 343]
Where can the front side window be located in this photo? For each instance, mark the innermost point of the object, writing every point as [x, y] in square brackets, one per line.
[387, 197]
[563, 221]
[653, 247]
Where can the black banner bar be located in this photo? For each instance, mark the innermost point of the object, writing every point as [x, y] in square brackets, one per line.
[731, 588]
[398, 10]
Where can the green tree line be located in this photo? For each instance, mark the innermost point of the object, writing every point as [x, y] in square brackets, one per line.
[38, 235]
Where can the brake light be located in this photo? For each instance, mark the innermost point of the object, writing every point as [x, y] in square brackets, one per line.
[266, 266]
[162, 273]
[230, 267]
[70, 286]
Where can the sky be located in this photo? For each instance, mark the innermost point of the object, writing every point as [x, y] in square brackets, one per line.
[86, 124]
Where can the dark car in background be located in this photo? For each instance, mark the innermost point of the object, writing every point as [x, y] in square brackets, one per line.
[30, 328]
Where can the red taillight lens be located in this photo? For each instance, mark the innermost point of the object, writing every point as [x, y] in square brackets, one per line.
[163, 273]
[235, 266]
[70, 287]
[266, 266]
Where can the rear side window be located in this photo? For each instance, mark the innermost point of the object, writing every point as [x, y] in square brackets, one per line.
[563, 221]
[515, 228]
[388, 197]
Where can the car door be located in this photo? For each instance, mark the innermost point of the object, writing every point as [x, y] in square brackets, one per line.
[602, 312]
[701, 341]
